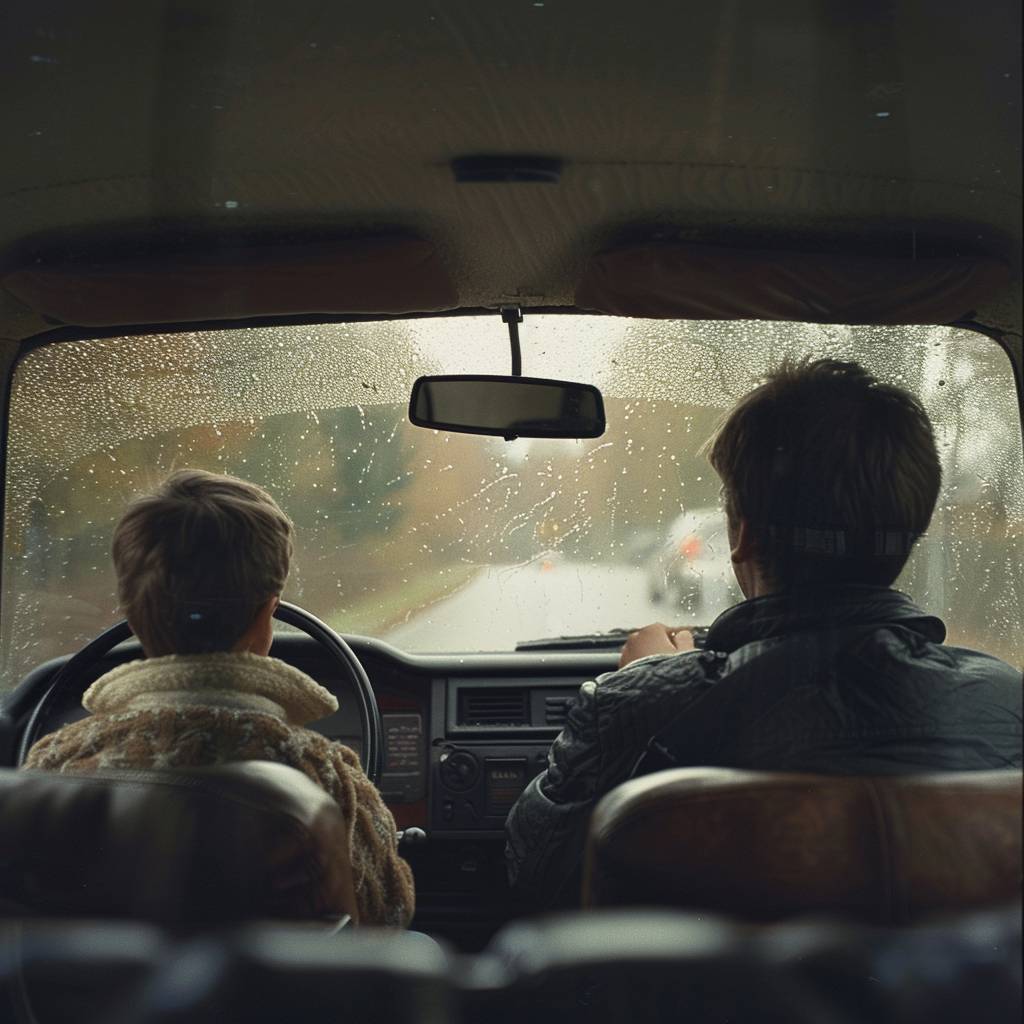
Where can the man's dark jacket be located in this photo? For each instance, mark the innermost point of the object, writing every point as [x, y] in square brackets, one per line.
[839, 680]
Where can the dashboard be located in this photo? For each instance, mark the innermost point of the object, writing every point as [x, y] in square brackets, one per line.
[463, 734]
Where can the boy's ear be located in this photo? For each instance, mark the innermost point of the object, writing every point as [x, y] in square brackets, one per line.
[266, 612]
[259, 637]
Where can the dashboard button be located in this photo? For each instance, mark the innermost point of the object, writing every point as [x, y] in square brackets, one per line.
[459, 770]
[468, 860]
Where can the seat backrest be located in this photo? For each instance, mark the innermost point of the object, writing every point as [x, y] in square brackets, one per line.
[654, 967]
[765, 846]
[81, 971]
[615, 966]
[280, 973]
[180, 848]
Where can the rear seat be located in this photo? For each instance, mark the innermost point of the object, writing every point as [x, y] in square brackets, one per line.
[637, 967]
[964, 969]
[83, 971]
[281, 973]
[616, 965]
[643, 967]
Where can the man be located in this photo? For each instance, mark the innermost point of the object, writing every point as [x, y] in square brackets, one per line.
[829, 477]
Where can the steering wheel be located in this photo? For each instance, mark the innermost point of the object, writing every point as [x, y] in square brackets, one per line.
[69, 681]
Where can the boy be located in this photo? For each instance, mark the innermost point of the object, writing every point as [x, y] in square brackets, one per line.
[200, 568]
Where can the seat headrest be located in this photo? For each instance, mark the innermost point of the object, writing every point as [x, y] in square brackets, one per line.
[764, 845]
[181, 848]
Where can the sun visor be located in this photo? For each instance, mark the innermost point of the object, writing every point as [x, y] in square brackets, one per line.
[381, 275]
[715, 283]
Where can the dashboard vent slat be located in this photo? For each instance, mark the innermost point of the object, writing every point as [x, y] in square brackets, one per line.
[556, 710]
[493, 707]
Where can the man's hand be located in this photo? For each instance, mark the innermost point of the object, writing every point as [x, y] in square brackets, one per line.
[655, 639]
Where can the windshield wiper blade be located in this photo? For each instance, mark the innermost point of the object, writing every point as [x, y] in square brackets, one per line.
[612, 639]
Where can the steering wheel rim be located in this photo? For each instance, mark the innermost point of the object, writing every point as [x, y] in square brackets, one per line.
[290, 614]
[369, 711]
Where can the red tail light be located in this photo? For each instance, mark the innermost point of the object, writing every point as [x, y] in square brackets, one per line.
[690, 547]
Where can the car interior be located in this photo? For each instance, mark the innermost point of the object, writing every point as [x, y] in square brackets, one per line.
[305, 244]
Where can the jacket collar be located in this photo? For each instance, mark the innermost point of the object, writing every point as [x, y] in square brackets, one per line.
[244, 682]
[819, 608]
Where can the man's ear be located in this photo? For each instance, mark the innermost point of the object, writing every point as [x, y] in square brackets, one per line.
[742, 543]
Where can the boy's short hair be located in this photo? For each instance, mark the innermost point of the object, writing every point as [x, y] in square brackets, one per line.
[197, 559]
[836, 473]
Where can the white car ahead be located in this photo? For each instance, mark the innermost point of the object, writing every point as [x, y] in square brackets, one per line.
[691, 568]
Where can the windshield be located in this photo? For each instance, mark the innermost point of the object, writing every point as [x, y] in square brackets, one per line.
[449, 542]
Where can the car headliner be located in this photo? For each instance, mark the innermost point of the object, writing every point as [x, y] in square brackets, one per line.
[816, 125]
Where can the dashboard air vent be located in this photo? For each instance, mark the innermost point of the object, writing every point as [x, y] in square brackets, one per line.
[556, 710]
[493, 707]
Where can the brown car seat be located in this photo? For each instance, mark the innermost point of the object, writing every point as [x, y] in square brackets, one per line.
[185, 849]
[764, 846]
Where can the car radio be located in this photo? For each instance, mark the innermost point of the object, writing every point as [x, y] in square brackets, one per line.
[497, 733]
[476, 784]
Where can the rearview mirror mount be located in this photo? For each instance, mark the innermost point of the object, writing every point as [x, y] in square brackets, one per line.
[508, 407]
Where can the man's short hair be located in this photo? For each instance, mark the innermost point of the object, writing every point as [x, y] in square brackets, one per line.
[836, 473]
[197, 559]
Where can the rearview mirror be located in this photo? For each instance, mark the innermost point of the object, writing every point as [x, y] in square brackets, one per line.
[508, 407]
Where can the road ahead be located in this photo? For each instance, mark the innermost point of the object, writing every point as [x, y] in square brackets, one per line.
[505, 604]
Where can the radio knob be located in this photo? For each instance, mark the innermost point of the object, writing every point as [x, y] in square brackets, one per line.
[459, 770]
